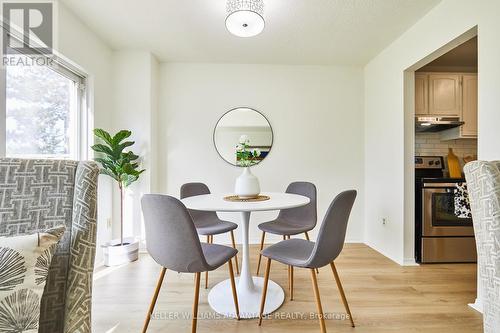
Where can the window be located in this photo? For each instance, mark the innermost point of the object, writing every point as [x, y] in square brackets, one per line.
[43, 111]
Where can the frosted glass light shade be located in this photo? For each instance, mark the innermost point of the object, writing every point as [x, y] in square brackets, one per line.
[245, 17]
[245, 23]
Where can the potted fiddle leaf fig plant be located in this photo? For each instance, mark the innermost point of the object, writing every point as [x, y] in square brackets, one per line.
[123, 167]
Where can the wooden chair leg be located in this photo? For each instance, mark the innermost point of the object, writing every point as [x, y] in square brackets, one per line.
[341, 290]
[236, 256]
[264, 290]
[153, 301]
[261, 247]
[233, 288]
[291, 283]
[209, 241]
[195, 302]
[318, 302]
[307, 238]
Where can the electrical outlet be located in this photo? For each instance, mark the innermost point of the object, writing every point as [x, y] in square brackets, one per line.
[385, 220]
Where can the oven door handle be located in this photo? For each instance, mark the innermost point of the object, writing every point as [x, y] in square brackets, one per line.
[439, 185]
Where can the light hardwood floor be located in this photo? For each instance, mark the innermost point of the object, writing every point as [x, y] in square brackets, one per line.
[383, 297]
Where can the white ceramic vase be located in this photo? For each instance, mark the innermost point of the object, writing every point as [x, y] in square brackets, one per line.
[247, 185]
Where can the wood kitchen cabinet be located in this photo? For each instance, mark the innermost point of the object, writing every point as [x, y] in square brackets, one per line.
[448, 94]
[445, 94]
[421, 94]
[469, 107]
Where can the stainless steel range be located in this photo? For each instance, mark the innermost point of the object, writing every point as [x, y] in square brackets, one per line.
[440, 234]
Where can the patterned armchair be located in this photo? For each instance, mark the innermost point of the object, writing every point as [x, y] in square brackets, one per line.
[483, 182]
[39, 194]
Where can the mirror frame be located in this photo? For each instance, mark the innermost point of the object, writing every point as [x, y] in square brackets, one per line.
[231, 110]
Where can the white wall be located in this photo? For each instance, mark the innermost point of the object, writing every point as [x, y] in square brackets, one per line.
[80, 45]
[135, 109]
[124, 88]
[317, 118]
[386, 186]
[155, 85]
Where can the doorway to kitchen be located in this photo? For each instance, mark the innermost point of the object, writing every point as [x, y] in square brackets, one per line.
[433, 91]
[440, 94]
[445, 140]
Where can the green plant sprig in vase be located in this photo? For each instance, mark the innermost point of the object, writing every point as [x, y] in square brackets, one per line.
[246, 156]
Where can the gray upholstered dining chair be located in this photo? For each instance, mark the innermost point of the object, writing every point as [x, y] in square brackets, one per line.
[306, 254]
[172, 241]
[292, 221]
[208, 223]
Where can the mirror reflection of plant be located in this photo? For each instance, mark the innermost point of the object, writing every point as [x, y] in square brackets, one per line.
[245, 155]
[117, 164]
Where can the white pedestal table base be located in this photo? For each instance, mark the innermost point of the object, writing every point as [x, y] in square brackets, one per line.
[249, 288]
[220, 298]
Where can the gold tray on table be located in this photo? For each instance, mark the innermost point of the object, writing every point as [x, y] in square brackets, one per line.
[236, 198]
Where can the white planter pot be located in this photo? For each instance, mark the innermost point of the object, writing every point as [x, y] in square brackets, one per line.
[247, 185]
[116, 254]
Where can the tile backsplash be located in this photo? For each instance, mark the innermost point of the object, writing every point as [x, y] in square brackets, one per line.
[430, 144]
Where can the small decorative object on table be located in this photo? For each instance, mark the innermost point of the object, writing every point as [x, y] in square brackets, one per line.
[236, 198]
[247, 185]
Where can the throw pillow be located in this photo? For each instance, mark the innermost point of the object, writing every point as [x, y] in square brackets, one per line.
[24, 266]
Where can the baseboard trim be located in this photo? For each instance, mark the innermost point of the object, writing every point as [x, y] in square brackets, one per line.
[410, 262]
[399, 262]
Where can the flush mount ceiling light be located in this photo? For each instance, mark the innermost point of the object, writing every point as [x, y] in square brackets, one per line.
[245, 18]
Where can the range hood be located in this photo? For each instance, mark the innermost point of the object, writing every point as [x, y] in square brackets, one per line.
[436, 123]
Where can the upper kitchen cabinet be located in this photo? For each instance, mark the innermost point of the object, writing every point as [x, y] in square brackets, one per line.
[448, 94]
[446, 88]
[469, 108]
[437, 94]
[468, 112]
[421, 94]
[445, 94]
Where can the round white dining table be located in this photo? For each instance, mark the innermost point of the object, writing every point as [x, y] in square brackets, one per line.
[249, 288]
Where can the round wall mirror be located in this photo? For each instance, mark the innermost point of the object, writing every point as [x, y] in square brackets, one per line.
[243, 137]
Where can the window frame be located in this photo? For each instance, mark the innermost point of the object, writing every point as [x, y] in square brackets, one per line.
[73, 72]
